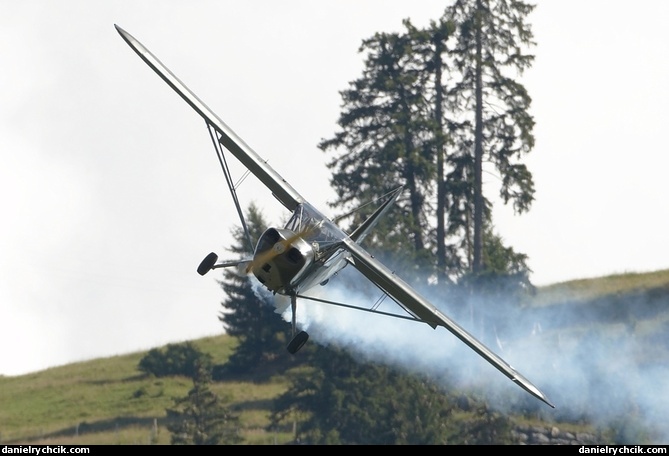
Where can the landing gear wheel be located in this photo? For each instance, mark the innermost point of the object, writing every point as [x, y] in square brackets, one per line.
[298, 341]
[207, 264]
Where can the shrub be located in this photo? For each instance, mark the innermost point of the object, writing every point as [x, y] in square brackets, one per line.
[176, 359]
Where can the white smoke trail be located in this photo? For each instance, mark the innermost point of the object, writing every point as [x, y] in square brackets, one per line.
[590, 371]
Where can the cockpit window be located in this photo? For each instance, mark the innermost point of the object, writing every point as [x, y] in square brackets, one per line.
[313, 225]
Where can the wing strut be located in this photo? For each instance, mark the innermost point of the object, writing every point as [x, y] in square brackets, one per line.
[215, 138]
[286, 194]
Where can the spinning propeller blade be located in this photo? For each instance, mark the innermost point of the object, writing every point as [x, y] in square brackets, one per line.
[278, 248]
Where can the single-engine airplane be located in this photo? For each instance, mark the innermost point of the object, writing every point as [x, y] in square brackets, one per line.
[310, 249]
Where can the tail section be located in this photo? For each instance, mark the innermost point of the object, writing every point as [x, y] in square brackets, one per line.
[361, 232]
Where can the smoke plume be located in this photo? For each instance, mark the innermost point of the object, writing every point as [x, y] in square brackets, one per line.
[595, 369]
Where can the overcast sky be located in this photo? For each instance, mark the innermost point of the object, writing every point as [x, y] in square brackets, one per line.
[111, 193]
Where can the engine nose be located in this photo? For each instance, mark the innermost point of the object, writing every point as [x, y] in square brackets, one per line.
[280, 258]
[279, 248]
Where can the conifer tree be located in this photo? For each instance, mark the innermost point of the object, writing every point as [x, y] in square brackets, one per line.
[200, 418]
[431, 107]
[496, 125]
[384, 142]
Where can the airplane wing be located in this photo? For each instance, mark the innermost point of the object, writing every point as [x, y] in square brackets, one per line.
[422, 309]
[283, 191]
[371, 268]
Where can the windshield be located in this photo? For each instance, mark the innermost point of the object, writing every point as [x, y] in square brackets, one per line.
[314, 226]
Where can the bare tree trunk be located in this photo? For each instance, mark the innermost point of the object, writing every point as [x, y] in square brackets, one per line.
[477, 265]
[441, 184]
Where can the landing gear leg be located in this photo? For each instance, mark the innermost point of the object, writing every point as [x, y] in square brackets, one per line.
[300, 338]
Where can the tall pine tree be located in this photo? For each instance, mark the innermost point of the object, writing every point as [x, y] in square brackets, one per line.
[385, 141]
[489, 55]
[431, 108]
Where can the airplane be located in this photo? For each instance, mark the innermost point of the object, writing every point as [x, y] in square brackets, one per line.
[310, 249]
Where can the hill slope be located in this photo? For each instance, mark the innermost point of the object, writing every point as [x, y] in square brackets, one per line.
[108, 400]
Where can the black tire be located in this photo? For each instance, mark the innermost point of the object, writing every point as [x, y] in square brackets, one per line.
[208, 263]
[298, 342]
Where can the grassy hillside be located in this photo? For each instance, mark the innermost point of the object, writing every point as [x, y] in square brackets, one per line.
[635, 303]
[108, 401]
[584, 290]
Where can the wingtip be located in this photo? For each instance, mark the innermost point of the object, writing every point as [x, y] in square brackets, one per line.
[547, 401]
[128, 38]
[539, 394]
[536, 392]
[121, 32]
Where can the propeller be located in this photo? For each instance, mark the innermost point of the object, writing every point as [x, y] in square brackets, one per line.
[277, 249]
[249, 266]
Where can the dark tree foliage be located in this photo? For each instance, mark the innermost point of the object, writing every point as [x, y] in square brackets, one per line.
[342, 401]
[200, 418]
[430, 45]
[434, 109]
[249, 312]
[175, 359]
[385, 142]
[493, 108]
[506, 277]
